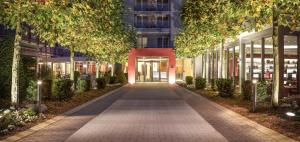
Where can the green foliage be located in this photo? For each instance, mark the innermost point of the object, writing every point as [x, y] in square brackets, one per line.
[11, 119]
[47, 88]
[247, 89]
[121, 77]
[83, 85]
[6, 56]
[113, 79]
[225, 87]
[101, 83]
[213, 84]
[200, 83]
[31, 91]
[189, 80]
[262, 91]
[206, 23]
[76, 77]
[62, 89]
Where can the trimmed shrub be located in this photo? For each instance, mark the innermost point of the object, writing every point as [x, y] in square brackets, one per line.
[62, 89]
[107, 77]
[213, 84]
[225, 87]
[200, 83]
[101, 83]
[83, 85]
[247, 89]
[121, 77]
[126, 75]
[31, 91]
[189, 80]
[112, 80]
[46, 88]
[262, 91]
[11, 119]
[76, 78]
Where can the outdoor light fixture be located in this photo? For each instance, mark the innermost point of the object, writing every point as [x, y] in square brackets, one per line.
[131, 82]
[254, 81]
[291, 114]
[39, 82]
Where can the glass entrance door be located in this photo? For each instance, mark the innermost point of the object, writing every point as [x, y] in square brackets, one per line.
[152, 69]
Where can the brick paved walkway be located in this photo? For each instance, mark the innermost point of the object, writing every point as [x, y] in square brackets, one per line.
[148, 114]
[154, 113]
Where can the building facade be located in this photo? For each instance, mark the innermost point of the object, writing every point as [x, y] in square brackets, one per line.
[156, 22]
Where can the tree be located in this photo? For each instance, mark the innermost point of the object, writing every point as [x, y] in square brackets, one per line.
[13, 15]
[207, 23]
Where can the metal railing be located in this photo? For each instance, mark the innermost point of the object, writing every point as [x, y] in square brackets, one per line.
[152, 7]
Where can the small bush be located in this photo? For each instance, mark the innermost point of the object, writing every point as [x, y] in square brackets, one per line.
[189, 80]
[112, 80]
[76, 77]
[46, 88]
[121, 77]
[213, 84]
[31, 91]
[101, 83]
[225, 87]
[83, 85]
[62, 89]
[262, 91]
[200, 83]
[247, 89]
[11, 119]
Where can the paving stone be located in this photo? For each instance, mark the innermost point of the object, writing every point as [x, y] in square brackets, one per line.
[154, 113]
[150, 113]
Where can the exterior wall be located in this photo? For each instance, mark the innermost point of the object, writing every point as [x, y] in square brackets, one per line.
[170, 31]
[151, 52]
[198, 66]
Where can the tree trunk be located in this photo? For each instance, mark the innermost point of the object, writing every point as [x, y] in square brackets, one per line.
[276, 76]
[72, 63]
[15, 67]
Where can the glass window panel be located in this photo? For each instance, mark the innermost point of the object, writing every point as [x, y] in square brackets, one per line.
[269, 62]
[290, 65]
[257, 59]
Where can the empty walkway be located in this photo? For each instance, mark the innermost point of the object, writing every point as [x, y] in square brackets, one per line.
[154, 113]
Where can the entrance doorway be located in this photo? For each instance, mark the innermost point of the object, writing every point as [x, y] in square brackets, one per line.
[150, 69]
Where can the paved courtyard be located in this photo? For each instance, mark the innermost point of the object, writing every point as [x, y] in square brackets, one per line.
[154, 113]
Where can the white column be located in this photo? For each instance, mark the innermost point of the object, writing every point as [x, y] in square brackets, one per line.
[242, 64]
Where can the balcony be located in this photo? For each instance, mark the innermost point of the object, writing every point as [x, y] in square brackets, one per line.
[158, 24]
[152, 7]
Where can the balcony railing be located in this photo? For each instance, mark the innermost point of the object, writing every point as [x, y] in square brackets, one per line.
[163, 24]
[151, 7]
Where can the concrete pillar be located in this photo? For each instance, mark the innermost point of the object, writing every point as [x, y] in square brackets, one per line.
[262, 59]
[242, 64]
[234, 65]
[227, 63]
[198, 66]
[298, 64]
[221, 62]
[251, 60]
[207, 67]
[217, 65]
[97, 69]
[204, 65]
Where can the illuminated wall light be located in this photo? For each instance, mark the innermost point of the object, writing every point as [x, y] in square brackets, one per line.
[291, 114]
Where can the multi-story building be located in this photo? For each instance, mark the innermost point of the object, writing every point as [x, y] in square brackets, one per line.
[156, 22]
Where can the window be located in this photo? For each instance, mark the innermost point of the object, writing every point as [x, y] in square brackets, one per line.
[142, 42]
[163, 42]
